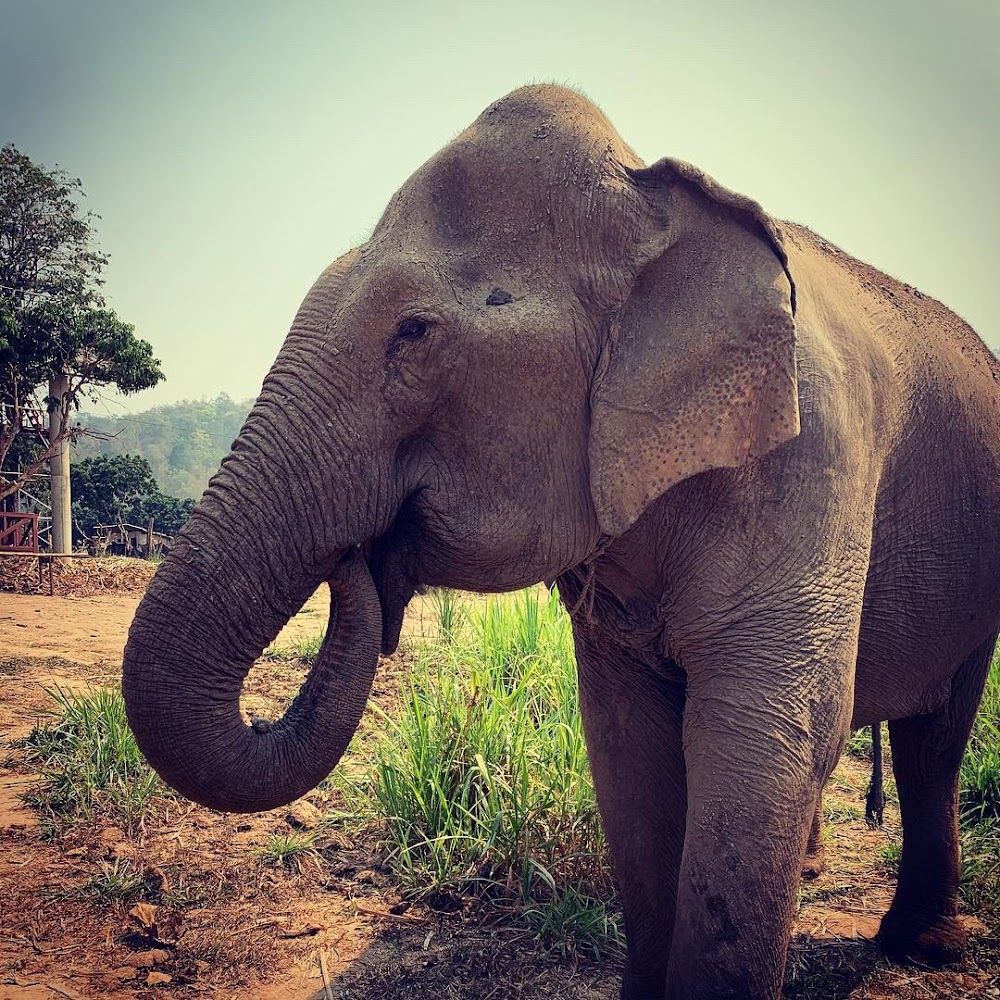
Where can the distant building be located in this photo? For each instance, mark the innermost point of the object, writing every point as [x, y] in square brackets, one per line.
[126, 540]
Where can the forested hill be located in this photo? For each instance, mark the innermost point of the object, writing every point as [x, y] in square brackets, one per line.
[183, 442]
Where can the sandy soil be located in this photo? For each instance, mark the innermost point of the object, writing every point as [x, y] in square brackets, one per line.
[332, 924]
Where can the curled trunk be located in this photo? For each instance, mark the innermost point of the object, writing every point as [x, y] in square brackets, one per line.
[238, 572]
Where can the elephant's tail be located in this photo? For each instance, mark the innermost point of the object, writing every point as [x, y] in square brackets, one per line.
[875, 799]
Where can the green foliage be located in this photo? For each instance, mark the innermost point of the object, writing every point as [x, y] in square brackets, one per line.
[53, 320]
[183, 442]
[89, 761]
[981, 764]
[859, 743]
[121, 488]
[482, 780]
[168, 513]
[105, 488]
[300, 649]
[118, 879]
[981, 867]
[286, 849]
[46, 242]
[448, 607]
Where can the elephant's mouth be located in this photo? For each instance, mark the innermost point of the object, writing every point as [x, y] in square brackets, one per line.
[390, 562]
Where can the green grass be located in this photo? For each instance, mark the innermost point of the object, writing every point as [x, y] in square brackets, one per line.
[834, 814]
[980, 802]
[477, 778]
[981, 764]
[481, 782]
[117, 880]
[300, 649]
[981, 868]
[287, 849]
[448, 607]
[89, 762]
[859, 743]
[890, 852]
[481, 779]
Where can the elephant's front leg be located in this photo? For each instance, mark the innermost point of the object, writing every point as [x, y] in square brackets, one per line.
[632, 718]
[757, 753]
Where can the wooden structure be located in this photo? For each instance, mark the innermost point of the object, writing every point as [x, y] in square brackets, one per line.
[19, 537]
[18, 532]
[127, 540]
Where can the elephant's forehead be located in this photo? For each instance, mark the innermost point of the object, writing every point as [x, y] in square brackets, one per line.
[519, 171]
[468, 194]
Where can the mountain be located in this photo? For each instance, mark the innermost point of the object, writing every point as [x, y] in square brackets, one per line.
[183, 442]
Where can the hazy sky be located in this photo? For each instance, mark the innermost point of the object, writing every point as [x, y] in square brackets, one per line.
[234, 149]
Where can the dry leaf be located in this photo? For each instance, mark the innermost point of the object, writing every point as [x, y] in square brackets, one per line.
[156, 878]
[169, 927]
[155, 978]
[162, 927]
[144, 914]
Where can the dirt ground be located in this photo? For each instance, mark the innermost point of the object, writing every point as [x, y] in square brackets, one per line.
[220, 919]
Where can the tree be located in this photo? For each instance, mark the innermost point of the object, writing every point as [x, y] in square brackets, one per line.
[168, 513]
[118, 489]
[53, 319]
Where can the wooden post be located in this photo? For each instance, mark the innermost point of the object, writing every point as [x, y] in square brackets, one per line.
[149, 538]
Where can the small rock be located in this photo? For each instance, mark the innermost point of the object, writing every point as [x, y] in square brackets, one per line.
[304, 815]
[147, 959]
[972, 924]
[122, 972]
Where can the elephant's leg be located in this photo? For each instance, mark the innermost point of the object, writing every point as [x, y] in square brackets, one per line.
[750, 808]
[815, 860]
[927, 751]
[760, 738]
[632, 719]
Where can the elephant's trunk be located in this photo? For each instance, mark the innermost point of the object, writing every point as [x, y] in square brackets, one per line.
[238, 572]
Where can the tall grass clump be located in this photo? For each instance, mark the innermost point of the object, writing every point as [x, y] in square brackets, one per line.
[481, 778]
[448, 609]
[980, 800]
[981, 764]
[89, 761]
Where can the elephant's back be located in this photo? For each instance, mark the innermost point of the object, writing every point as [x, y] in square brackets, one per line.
[930, 391]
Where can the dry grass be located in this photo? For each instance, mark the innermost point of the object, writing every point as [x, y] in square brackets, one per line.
[77, 577]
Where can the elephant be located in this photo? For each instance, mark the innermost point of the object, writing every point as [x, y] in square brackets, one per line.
[764, 476]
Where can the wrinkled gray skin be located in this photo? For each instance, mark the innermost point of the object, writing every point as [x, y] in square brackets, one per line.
[766, 477]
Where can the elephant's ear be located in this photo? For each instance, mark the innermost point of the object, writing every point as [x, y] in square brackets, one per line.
[699, 370]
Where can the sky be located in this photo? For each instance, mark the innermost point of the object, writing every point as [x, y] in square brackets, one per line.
[233, 149]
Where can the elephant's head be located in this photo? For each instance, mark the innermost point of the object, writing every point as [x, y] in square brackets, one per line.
[540, 338]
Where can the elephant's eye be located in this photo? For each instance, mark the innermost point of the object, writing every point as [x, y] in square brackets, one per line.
[412, 329]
